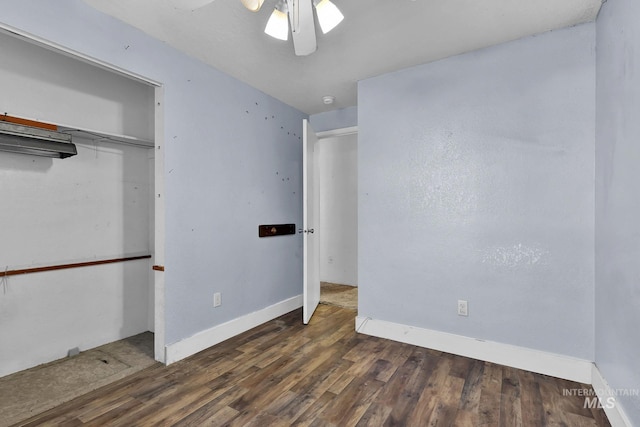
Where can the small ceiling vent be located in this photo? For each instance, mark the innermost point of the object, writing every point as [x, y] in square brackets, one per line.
[35, 141]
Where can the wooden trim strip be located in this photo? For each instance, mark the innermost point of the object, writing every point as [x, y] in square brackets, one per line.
[158, 267]
[27, 122]
[74, 265]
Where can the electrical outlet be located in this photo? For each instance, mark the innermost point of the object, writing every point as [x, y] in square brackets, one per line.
[463, 308]
[217, 299]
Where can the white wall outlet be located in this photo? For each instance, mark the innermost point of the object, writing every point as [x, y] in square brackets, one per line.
[463, 308]
[217, 299]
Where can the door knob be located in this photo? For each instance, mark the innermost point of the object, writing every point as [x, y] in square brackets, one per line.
[311, 230]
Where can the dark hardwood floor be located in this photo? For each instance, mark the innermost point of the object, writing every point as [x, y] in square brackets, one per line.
[283, 373]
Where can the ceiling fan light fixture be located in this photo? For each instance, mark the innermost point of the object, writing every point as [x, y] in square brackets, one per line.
[252, 5]
[329, 16]
[278, 23]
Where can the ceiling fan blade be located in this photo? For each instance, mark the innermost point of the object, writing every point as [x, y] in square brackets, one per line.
[303, 28]
[189, 4]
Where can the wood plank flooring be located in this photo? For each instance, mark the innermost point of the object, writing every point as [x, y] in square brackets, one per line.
[283, 373]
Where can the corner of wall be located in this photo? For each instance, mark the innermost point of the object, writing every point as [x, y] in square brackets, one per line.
[215, 335]
[555, 365]
[607, 398]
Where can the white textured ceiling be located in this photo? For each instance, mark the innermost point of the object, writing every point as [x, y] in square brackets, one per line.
[376, 37]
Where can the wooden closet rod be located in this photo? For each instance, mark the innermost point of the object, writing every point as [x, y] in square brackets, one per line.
[74, 265]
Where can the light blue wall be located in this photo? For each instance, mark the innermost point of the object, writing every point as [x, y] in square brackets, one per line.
[618, 199]
[476, 182]
[233, 161]
[334, 119]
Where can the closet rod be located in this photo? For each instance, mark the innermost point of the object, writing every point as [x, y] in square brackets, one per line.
[74, 265]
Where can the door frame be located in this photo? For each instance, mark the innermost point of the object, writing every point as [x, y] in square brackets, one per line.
[315, 202]
[337, 132]
[327, 134]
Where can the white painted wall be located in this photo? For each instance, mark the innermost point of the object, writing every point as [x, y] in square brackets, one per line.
[617, 222]
[40, 84]
[476, 182]
[151, 198]
[335, 119]
[88, 207]
[338, 202]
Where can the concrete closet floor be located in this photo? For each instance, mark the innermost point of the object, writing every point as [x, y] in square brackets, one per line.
[33, 391]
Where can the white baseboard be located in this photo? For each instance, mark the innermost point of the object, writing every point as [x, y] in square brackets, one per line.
[219, 333]
[615, 413]
[541, 362]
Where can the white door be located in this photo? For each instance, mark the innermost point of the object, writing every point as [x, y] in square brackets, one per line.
[311, 251]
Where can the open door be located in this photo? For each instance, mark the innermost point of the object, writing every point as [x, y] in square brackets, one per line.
[311, 251]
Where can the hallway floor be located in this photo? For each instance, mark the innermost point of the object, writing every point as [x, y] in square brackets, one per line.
[339, 295]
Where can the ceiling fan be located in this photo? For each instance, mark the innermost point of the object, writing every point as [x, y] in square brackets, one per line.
[295, 13]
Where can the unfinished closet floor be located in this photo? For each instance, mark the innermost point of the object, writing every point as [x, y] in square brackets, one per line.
[339, 295]
[36, 390]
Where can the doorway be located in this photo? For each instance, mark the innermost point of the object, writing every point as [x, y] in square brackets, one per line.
[338, 216]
